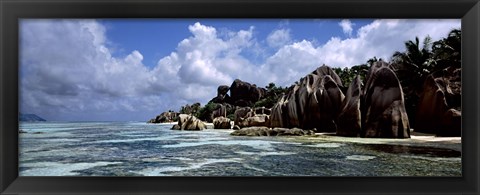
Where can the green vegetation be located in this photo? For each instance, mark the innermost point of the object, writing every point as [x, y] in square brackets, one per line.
[348, 74]
[273, 94]
[205, 112]
[415, 64]
[193, 109]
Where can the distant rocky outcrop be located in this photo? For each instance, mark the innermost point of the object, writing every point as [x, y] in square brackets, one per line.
[314, 102]
[439, 107]
[29, 118]
[189, 122]
[242, 94]
[165, 117]
[350, 119]
[221, 123]
[265, 131]
[222, 96]
[245, 94]
[385, 114]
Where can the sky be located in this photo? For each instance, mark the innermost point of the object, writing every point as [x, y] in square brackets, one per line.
[135, 69]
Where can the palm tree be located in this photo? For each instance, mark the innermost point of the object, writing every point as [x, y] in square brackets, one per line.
[413, 65]
[447, 51]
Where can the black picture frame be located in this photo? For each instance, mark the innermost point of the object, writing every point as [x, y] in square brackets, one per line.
[13, 10]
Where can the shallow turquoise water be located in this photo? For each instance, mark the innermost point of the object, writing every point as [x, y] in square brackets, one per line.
[140, 149]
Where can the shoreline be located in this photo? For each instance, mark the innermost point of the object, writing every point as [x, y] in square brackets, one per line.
[415, 140]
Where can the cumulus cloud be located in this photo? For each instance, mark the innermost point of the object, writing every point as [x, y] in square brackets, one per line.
[68, 72]
[66, 68]
[381, 39]
[278, 38]
[346, 26]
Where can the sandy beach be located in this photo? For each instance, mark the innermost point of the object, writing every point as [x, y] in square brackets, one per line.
[417, 139]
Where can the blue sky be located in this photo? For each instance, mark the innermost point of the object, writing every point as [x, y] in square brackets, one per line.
[157, 42]
[134, 69]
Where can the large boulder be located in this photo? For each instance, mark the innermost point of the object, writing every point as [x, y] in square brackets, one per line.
[440, 104]
[292, 109]
[221, 111]
[325, 105]
[222, 90]
[247, 117]
[176, 127]
[313, 102]
[165, 117]
[189, 122]
[325, 70]
[252, 131]
[451, 123]
[385, 114]
[245, 94]
[292, 132]
[256, 120]
[265, 131]
[350, 120]
[241, 114]
[278, 118]
[221, 123]
[222, 96]
[308, 86]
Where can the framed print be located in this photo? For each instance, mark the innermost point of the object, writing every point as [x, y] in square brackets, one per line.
[277, 96]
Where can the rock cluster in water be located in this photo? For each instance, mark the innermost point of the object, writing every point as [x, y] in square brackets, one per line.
[165, 117]
[266, 131]
[221, 123]
[317, 103]
[189, 122]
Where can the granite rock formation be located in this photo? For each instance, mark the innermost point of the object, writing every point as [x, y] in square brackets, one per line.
[241, 114]
[385, 114]
[221, 111]
[221, 123]
[222, 96]
[439, 107]
[165, 117]
[189, 122]
[265, 131]
[314, 102]
[245, 94]
[350, 119]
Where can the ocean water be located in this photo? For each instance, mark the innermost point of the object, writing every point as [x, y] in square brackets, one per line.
[140, 149]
